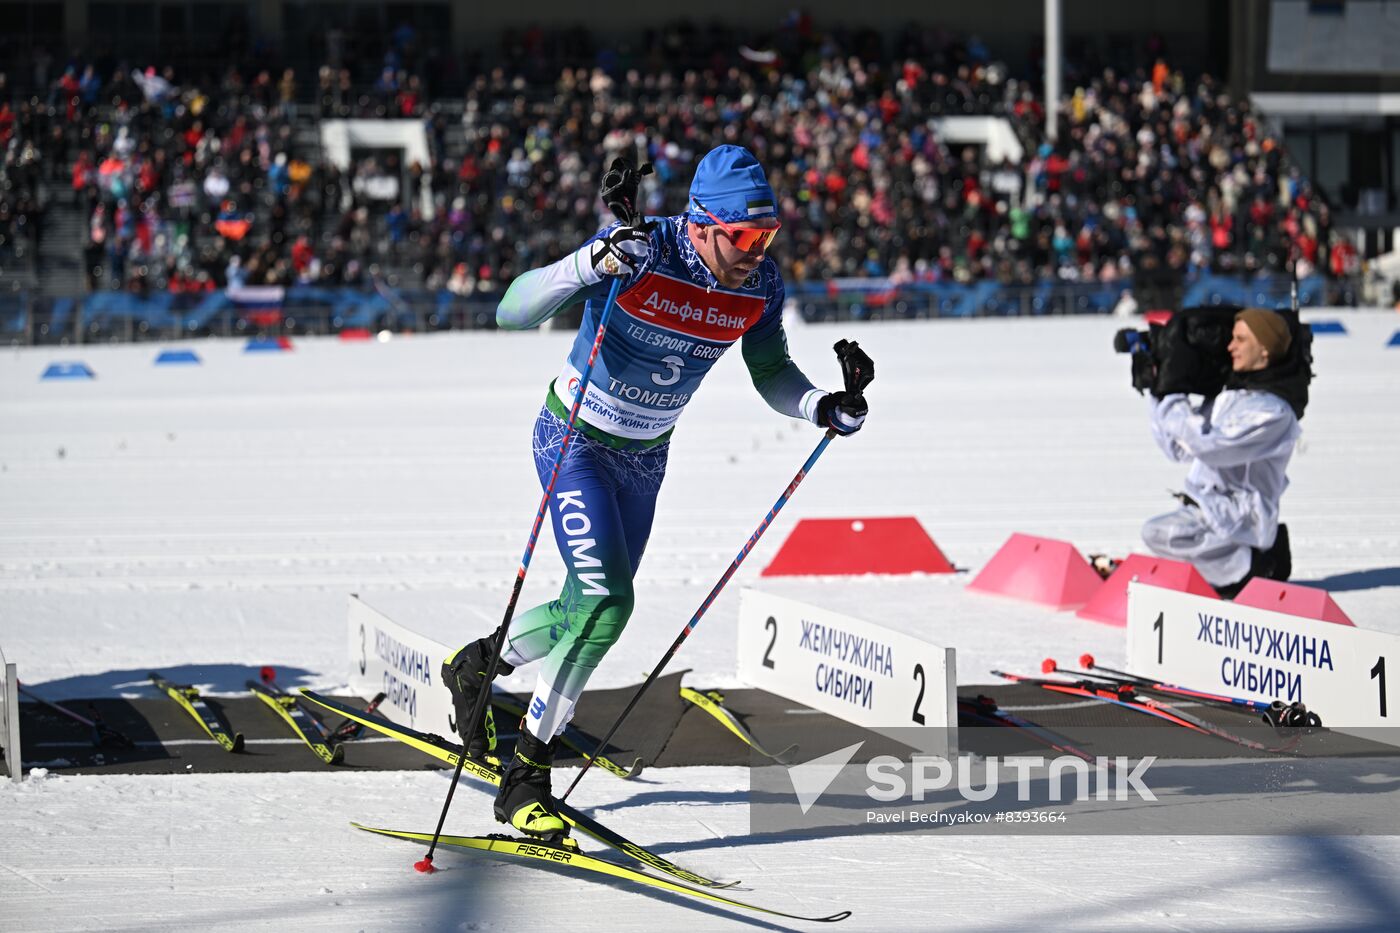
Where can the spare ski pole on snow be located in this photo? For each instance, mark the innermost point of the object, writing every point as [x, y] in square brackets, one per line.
[102, 734]
[1276, 713]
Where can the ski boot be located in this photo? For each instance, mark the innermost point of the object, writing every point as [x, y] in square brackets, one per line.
[1274, 564]
[1231, 590]
[525, 800]
[465, 676]
[1277, 561]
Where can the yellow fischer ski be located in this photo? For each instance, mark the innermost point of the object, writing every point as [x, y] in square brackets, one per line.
[285, 706]
[569, 856]
[448, 751]
[710, 702]
[188, 698]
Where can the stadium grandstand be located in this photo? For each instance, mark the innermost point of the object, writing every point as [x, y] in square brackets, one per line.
[218, 168]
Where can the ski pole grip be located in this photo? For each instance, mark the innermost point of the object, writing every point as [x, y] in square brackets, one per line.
[857, 368]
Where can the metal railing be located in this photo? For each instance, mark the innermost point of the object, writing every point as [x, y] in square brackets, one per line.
[117, 317]
[27, 320]
[873, 299]
[983, 299]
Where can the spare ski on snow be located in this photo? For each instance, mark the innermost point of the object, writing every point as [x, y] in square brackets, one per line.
[711, 700]
[307, 729]
[190, 700]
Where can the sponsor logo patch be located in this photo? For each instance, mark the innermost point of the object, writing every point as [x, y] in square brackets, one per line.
[686, 308]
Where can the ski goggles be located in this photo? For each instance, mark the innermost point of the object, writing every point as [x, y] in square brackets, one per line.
[744, 238]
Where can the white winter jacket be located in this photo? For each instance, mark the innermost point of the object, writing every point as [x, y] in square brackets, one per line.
[1239, 445]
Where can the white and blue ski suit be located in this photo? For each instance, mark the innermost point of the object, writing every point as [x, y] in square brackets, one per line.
[672, 321]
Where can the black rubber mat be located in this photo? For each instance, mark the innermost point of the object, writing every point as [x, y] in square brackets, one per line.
[665, 730]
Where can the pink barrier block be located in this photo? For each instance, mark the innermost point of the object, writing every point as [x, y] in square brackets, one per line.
[1110, 603]
[1307, 602]
[1039, 570]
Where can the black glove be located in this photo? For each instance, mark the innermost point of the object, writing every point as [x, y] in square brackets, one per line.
[843, 412]
[621, 251]
[619, 189]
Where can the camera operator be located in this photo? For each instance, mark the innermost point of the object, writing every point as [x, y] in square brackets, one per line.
[1238, 443]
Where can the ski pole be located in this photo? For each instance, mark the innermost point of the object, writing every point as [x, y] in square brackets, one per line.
[986, 709]
[1276, 713]
[695, 619]
[100, 731]
[1111, 677]
[350, 730]
[1051, 666]
[479, 710]
[1088, 661]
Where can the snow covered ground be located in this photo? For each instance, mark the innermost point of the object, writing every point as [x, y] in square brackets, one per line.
[201, 520]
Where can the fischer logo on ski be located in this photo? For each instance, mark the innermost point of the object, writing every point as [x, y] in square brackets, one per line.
[569, 856]
[191, 702]
[451, 752]
[306, 727]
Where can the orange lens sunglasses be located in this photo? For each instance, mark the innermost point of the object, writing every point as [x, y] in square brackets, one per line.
[744, 238]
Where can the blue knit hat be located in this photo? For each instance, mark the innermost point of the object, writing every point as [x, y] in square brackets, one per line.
[730, 182]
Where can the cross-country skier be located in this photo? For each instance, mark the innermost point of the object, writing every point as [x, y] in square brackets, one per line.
[693, 284]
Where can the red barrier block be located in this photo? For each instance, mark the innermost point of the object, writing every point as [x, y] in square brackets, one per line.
[355, 333]
[1039, 570]
[1110, 603]
[1307, 602]
[852, 546]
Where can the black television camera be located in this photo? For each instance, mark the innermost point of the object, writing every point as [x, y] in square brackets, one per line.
[1188, 352]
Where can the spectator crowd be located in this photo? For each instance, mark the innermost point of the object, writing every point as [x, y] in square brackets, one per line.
[193, 185]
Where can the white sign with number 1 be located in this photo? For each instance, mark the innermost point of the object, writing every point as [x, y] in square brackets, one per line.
[1348, 676]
